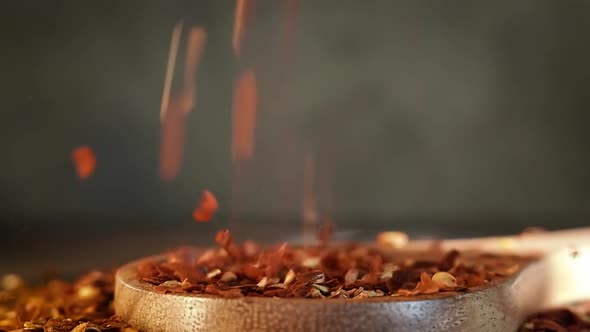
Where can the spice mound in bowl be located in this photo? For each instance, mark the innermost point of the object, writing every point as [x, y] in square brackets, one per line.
[327, 271]
[86, 304]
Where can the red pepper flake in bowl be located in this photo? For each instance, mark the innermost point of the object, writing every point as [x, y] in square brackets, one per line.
[345, 271]
[58, 306]
[64, 307]
[326, 271]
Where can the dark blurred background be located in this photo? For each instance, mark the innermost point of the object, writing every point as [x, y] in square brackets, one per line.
[441, 119]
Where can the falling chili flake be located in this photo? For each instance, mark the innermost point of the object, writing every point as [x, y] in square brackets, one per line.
[242, 8]
[207, 207]
[172, 55]
[172, 143]
[245, 108]
[175, 109]
[196, 41]
[84, 161]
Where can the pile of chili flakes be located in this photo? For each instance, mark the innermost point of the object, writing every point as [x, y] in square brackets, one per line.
[58, 306]
[62, 307]
[323, 271]
[335, 271]
[575, 318]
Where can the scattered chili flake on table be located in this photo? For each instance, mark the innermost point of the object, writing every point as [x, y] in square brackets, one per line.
[324, 271]
[207, 207]
[58, 306]
[575, 318]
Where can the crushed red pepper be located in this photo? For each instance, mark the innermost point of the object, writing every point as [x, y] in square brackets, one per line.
[324, 271]
[244, 112]
[346, 271]
[207, 207]
[574, 319]
[86, 305]
[58, 306]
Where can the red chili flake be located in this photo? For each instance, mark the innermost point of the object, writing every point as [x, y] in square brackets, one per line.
[368, 281]
[227, 293]
[146, 268]
[548, 325]
[449, 260]
[250, 248]
[243, 11]
[173, 132]
[175, 109]
[335, 271]
[473, 280]
[59, 324]
[183, 271]
[223, 238]
[84, 161]
[562, 316]
[251, 272]
[425, 286]
[300, 289]
[311, 277]
[332, 264]
[407, 278]
[351, 276]
[274, 261]
[161, 290]
[207, 207]
[277, 292]
[245, 108]
[181, 255]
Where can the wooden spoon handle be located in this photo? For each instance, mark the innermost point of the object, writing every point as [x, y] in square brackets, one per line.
[557, 279]
[543, 242]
